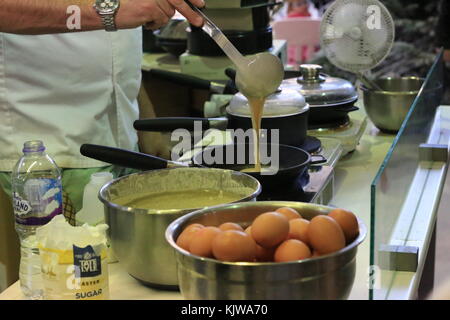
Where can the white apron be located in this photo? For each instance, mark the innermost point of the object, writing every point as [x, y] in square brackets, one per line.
[66, 90]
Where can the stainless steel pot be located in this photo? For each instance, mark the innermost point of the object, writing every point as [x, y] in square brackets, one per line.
[137, 234]
[326, 277]
[388, 108]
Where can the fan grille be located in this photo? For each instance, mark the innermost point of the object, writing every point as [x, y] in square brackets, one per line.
[357, 35]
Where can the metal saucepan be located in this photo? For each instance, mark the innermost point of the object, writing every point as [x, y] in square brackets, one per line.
[326, 277]
[285, 111]
[173, 37]
[330, 99]
[137, 234]
[293, 161]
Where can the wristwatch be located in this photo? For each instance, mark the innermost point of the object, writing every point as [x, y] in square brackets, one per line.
[107, 10]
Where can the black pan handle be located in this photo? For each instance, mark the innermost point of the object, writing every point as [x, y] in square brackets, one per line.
[288, 74]
[182, 79]
[169, 124]
[173, 123]
[125, 158]
[231, 73]
[346, 109]
[320, 159]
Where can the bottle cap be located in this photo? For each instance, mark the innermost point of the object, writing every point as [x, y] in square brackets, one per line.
[33, 146]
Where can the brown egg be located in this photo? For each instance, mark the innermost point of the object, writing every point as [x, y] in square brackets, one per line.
[193, 225]
[292, 250]
[325, 235]
[264, 254]
[230, 226]
[298, 229]
[289, 213]
[348, 222]
[234, 246]
[270, 229]
[201, 241]
[185, 237]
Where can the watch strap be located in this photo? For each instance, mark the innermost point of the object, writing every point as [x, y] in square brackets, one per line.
[109, 22]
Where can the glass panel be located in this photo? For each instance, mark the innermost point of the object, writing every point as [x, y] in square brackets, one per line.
[391, 184]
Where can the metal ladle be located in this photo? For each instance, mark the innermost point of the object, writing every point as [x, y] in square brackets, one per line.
[257, 76]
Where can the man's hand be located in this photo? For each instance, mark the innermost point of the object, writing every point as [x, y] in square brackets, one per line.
[154, 13]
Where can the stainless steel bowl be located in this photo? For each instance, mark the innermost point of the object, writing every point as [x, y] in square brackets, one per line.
[137, 235]
[326, 277]
[388, 108]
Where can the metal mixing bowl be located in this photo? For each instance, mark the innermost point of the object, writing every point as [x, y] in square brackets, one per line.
[137, 235]
[326, 277]
[388, 109]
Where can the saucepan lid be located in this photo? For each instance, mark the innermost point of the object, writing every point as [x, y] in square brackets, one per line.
[320, 89]
[281, 103]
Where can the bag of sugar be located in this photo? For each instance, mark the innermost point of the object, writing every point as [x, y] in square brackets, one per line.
[73, 260]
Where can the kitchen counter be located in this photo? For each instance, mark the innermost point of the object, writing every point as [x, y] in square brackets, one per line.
[354, 173]
[353, 176]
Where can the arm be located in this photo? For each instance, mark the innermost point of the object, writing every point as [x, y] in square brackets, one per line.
[50, 16]
[44, 16]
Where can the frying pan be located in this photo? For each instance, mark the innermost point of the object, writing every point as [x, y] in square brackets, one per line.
[293, 161]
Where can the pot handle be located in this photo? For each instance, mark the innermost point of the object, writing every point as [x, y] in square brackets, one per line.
[126, 158]
[169, 124]
[320, 159]
[231, 74]
[182, 79]
[346, 109]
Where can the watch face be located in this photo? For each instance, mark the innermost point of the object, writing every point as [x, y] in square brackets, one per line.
[106, 6]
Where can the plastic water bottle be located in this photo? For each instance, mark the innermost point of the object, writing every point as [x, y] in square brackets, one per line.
[37, 198]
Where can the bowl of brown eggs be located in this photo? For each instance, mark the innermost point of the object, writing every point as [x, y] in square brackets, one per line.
[266, 250]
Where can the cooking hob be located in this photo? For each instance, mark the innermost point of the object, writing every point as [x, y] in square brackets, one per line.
[348, 132]
[315, 186]
[343, 123]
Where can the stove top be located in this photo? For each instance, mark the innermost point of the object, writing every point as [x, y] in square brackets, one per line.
[341, 123]
[348, 134]
[315, 186]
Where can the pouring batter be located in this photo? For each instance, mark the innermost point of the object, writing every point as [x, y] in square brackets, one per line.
[256, 80]
[257, 77]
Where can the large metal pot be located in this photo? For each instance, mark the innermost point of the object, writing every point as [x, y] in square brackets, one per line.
[326, 277]
[173, 37]
[137, 234]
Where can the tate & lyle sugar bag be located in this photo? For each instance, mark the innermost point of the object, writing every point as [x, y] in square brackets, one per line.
[73, 260]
